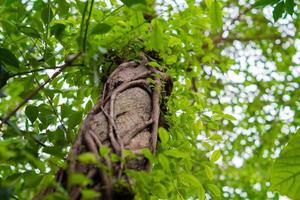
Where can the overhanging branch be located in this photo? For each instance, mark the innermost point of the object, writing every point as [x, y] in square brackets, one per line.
[61, 68]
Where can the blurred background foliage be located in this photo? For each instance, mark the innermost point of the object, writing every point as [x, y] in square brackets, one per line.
[234, 106]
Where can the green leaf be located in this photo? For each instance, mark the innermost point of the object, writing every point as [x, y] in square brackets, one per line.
[104, 151]
[78, 179]
[7, 57]
[156, 38]
[32, 112]
[4, 76]
[131, 3]
[215, 14]
[215, 155]
[65, 111]
[87, 158]
[191, 180]
[278, 11]
[216, 137]
[101, 28]
[63, 7]
[208, 172]
[49, 58]
[215, 191]
[171, 59]
[47, 14]
[289, 6]
[54, 151]
[163, 136]
[201, 193]
[29, 31]
[163, 160]
[229, 117]
[115, 158]
[285, 173]
[45, 116]
[176, 153]
[160, 191]
[137, 18]
[90, 194]
[147, 153]
[262, 3]
[7, 26]
[74, 119]
[208, 3]
[57, 30]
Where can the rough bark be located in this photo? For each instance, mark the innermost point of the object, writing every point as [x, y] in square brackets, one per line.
[126, 117]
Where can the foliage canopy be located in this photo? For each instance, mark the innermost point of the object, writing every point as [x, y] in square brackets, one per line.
[232, 114]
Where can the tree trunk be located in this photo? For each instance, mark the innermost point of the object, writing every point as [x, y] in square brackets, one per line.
[125, 118]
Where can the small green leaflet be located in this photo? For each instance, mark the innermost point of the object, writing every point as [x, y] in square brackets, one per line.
[57, 30]
[285, 173]
[281, 7]
[4, 76]
[156, 38]
[163, 136]
[176, 153]
[78, 178]
[100, 28]
[278, 11]
[104, 151]
[53, 151]
[31, 112]
[7, 26]
[215, 14]
[87, 158]
[209, 173]
[74, 119]
[90, 194]
[29, 31]
[137, 18]
[47, 14]
[163, 160]
[215, 191]
[289, 6]
[147, 153]
[192, 181]
[208, 3]
[160, 191]
[131, 3]
[49, 58]
[7, 57]
[215, 155]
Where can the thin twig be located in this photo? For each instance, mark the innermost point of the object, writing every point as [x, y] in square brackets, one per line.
[47, 25]
[38, 70]
[111, 13]
[87, 26]
[82, 19]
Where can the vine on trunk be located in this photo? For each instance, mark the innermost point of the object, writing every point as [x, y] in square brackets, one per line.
[125, 118]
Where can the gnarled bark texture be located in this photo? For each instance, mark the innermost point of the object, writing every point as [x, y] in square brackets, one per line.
[126, 117]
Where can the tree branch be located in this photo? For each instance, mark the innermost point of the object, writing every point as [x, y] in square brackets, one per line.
[68, 62]
[40, 69]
